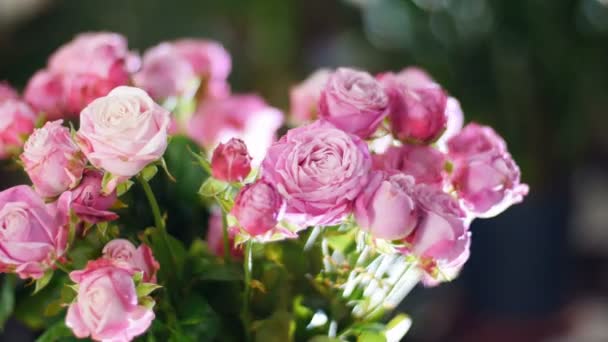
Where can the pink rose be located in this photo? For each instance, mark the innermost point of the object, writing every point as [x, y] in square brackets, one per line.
[231, 161]
[386, 208]
[16, 122]
[454, 125]
[319, 170]
[215, 236]
[488, 183]
[123, 132]
[475, 139]
[45, 92]
[441, 239]
[210, 61]
[33, 234]
[257, 207]
[7, 92]
[140, 259]
[88, 202]
[415, 77]
[52, 160]
[106, 307]
[304, 97]
[354, 101]
[424, 163]
[246, 117]
[164, 72]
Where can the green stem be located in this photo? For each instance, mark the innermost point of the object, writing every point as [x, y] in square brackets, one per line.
[225, 236]
[247, 267]
[158, 219]
[62, 267]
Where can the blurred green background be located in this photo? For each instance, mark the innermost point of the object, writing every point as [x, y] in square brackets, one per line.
[536, 70]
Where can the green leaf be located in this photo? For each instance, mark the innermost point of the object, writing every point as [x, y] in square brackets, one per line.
[123, 187]
[54, 308]
[7, 297]
[371, 337]
[55, 333]
[169, 252]
[398, 327]
[149, 172]
[102, 228]
[147, 302]
[213, 188]
[144, 289]
[198, 320]
[278, 328]
[209, 269]
[163, 165]
[44, 281]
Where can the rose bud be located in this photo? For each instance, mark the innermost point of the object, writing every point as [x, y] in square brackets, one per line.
[441, 239]
[33, 234]
[304, 97]
[52, 160]
[475, 139]
[140, 259]
[123, 132]
[16, 121]
[424, 163]
[7, 92]
[45, 93]
[247, 117]
[215, 236]
[231, 161]
[257, 207]
[488, 183]
[354, 102]
[164, 72]
[88, 202]
[386, 208]
[106, 307]
[210, 61]
[319, 170]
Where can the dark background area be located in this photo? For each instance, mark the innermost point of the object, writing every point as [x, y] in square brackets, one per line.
[536, 70]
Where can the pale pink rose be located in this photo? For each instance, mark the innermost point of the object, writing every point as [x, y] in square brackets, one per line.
[106, 307]
[123, 132]
[415, 77]
[454, 125]
[441, 239]
[246, 117]
[319, 170]
[7, 92]
[426, 164]
[140, 259]
[33, 234]
[210, 61]
[215, 236]
[45, 93]
[386, 208]
[258, 207]
[52, 160]
[488, 183]
[231, 161]
[88, 201]
[475, 139]
[354, 101]
[164, 72]
[304, 97]
[16, 122]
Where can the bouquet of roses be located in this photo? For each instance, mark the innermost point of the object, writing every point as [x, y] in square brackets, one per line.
[316, 236]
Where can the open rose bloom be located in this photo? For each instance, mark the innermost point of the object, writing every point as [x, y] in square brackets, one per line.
[371, 192]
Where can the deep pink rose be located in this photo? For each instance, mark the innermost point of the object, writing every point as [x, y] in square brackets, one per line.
[123, 132]
[52, 160]
[16, 122]
[7, 92]
[231, 161]
[246, 117]
[488, 183]
[106, 307]
[32, 234]
[354, 102]
[88, 201]
[319, 170]
[258, 207]
[164, 72]
[386, 208]
[475, 139]
[45, 93]
[215, 236]
[140, 259]
[304, 97]
[441, 239]
[426, 164]
[210, 61]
